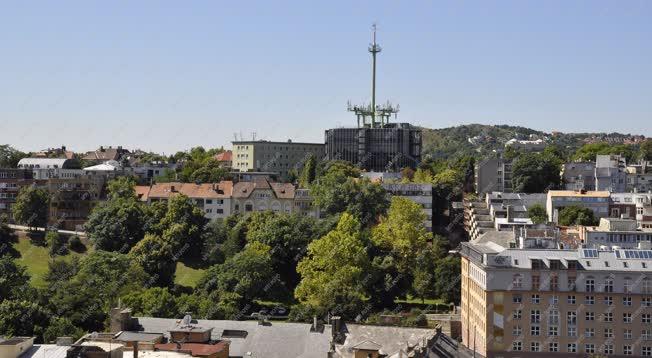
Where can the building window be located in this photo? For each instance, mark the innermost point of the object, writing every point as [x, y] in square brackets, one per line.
[608, 332]
[517, 281]
[608, 316]
[553, 331]
[608, 300]
[534, 347]
[646, 334]
[589, 300]
[627, 334]
[608, 349]
[553, 347]
[589, 332]
[590, 316]
[535, 330]
[570, 300]
[535, 316]
[535, 282]
[572, 348]
[646, 318]
[516, 314]
[572, 331]
[517, 331]
[609, 285]
[628, 350]
[627, 317]
[571, 318]
[517, 346]
[554, 300]
[517, 298]
[589, 348]
[646, 351]
[590, 285]
[536, 299]
[627, 301]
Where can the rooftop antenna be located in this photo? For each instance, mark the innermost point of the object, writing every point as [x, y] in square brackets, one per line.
[377, 114]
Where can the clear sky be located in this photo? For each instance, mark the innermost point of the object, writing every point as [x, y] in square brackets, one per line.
[166, 76]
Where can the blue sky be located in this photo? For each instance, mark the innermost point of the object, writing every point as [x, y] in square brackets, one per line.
[166, 76]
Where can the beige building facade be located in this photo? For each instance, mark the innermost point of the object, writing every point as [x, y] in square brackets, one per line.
[529, 299]
[279, 157]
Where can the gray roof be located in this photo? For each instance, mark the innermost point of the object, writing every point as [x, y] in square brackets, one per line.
[391, 339]
[44, 162]
[46, 351]
[131, 336]
[502, 238]
[275, 340]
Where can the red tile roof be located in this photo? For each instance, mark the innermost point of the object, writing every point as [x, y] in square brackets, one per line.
[223, 189]
[224, 156]
[244, 189]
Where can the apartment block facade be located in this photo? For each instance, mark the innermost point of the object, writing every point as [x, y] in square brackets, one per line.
[597, 201]
[418, 193]
[493, 174]
[279, 157]
[537, 301]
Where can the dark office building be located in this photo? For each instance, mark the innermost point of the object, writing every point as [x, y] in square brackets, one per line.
[388, 148]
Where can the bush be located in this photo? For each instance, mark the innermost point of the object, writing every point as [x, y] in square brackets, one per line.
[75, 244]
[57, 243]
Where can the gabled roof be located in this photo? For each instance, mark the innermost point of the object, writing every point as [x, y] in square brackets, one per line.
[367, 345]
[244, 189]
[225, 156]
[219, 190]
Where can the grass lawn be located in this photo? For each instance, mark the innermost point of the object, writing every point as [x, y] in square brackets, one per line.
[187, 276]
[35, 259]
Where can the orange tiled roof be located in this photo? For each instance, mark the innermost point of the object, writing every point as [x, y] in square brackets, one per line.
[142, 192]
[223, 189]
[224, 156]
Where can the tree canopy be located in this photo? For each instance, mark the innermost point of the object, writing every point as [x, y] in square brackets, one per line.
[576, 215]
[31, 207]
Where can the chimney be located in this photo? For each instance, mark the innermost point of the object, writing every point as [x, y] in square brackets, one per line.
[172, 188]
[336, 326]
[510, 214]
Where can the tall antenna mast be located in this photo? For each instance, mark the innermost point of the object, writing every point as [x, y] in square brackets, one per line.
[378, 114]
[373, 49]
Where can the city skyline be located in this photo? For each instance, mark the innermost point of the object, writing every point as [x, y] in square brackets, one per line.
[163, 78]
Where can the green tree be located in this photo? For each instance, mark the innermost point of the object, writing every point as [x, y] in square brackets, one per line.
[7, 238]
[402, 232]
[156, 255]
[116, 224]
[31, 207]
[447, 279]
[288, 235]
[536, 173]
[337, 191]
[334, 268]
[22, 318]
[183, 225]
[645, 152]
[102, 278]
[538, 214]
[122, 188]
[57, 243]
[14, 280]
[210, 172]
[309, 172]
[152, 302]
[61, 327]
[589, 152]
[576, 215]
[249, 275]
[60, 272]
[9, 157]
